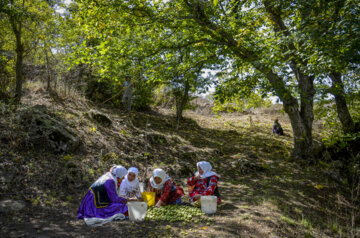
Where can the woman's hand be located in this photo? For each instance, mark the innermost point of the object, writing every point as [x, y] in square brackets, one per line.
[197, 197]
[133, 199]
[197, 177]
[159, 203]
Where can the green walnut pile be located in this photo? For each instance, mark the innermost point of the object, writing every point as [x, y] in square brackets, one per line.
[174, 213]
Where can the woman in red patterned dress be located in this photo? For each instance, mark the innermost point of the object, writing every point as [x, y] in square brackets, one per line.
[167, 192]
[204, 182]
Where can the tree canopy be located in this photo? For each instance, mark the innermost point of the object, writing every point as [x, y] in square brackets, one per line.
[298, 50]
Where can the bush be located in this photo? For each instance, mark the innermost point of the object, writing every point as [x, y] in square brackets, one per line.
[104, 89]
[100, 90]
[143, 95]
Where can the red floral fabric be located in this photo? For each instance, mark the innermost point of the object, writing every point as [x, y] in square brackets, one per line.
[169, 194]
[201, 188]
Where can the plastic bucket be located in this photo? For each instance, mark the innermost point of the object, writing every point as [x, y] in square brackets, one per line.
[137, 210]
[149, 197]
[208, 204]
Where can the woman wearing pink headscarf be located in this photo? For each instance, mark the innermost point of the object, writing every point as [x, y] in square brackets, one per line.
[204, 182]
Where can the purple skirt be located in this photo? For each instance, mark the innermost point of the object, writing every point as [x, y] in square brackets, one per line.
[88, 209]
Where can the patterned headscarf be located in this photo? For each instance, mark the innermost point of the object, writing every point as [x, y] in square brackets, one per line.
[114, 173]
[118, 171]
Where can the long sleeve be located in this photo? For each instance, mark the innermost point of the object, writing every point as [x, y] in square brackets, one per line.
[111, 192]
[137, 193]
[212, 186]
[274, 128]
[166, 191]
[191, 181]
[123, 192]
[150, 188]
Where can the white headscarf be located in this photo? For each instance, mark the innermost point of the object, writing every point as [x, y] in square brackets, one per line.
[114, 173]
[161, 174]
[131, 185]
[118, 171]
[206, 167]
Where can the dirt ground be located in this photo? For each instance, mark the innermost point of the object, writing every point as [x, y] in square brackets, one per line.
[264, 192]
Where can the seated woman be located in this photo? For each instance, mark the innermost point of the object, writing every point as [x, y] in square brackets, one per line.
[102, 201]
[167, 192]
[130, 188]
[277, 129]
[204, 182]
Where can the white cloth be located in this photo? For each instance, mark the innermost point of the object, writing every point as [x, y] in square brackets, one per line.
[95, 221]
[206, 167]
[161, 174]
[129, 189]
[118, 171]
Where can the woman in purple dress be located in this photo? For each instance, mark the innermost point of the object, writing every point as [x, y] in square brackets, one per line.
[102, 201]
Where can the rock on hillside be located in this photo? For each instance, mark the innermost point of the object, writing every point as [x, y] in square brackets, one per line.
[45, 131]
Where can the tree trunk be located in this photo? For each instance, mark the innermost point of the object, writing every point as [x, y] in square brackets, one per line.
[16, 25]
[19, 62]
[301, 120]
[48, 70]
[307, 93]
[337, 89]
[183, 101]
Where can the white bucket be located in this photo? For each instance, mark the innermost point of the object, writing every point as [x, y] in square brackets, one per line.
[137, 210]
[208, 204]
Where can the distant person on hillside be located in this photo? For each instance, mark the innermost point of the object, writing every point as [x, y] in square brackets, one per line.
[129, 187]
[126, 99]
[203, 183]
[167, 192]
[102, 201]
[277, 129]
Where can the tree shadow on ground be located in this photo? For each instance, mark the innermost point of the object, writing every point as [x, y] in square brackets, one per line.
[217, 146]
[259, 186]
[286, 185]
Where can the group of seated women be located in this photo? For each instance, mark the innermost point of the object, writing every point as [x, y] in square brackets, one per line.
[110, 193]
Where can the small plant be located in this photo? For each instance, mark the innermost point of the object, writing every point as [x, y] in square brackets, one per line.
[67, 157]
[288, 220]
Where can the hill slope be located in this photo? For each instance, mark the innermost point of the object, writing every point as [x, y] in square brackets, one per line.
[264, 193]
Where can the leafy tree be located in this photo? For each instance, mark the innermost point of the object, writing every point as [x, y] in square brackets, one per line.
[23, 18]
[265, 37]
[332, 42]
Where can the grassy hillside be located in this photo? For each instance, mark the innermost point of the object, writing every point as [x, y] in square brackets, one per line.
[265, 194]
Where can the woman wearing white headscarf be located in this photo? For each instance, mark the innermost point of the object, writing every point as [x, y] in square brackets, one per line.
[102, 201]
[204, 182]
[167, 192]
[130, 188]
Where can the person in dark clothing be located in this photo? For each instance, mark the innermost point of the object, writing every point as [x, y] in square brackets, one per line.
[277, 129]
